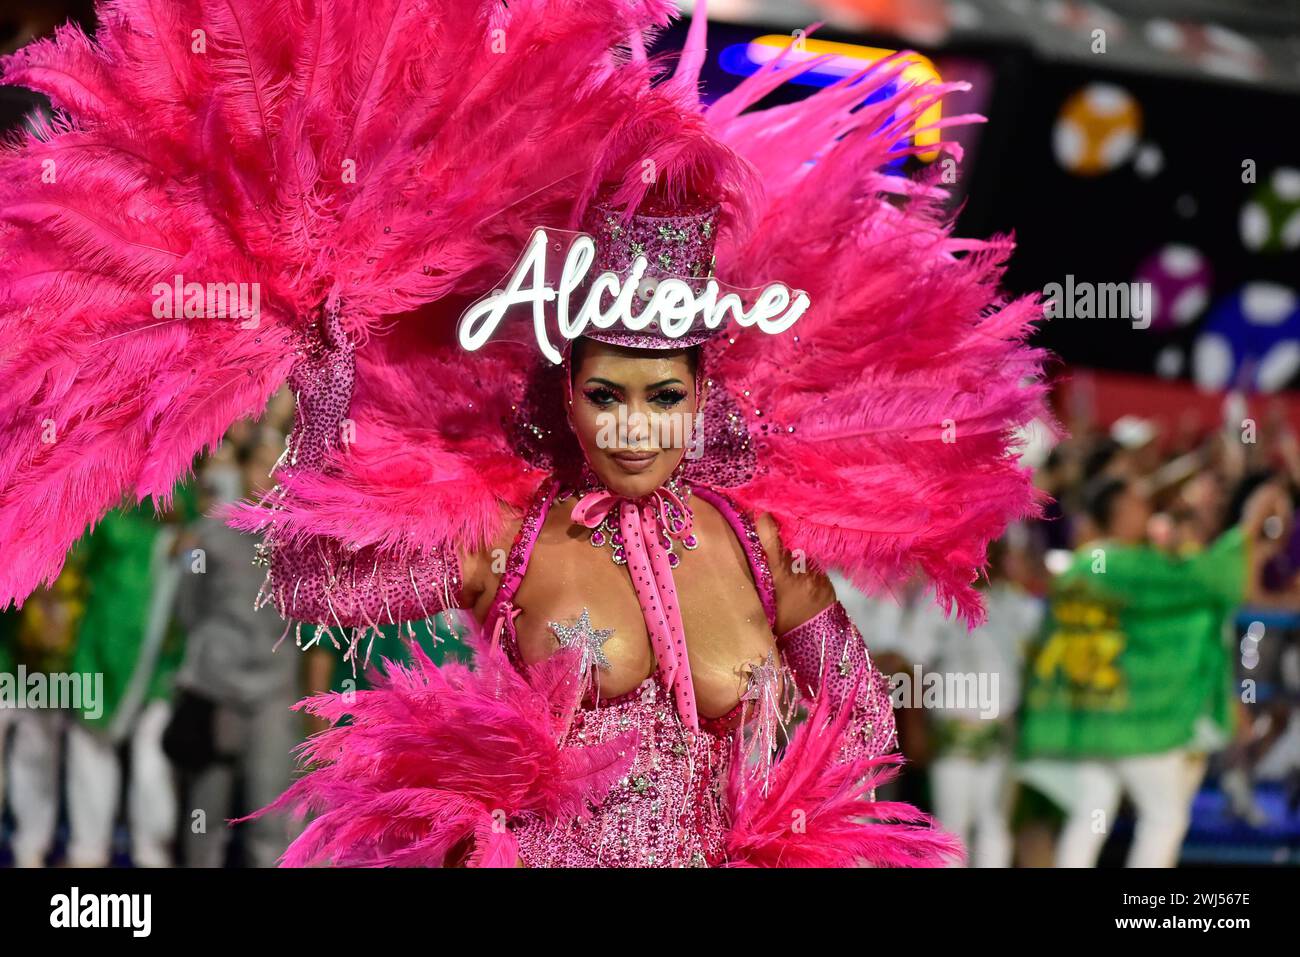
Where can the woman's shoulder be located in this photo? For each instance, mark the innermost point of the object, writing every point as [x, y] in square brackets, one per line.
[746, 522]
[801, 589]
[484, 565]
[796, 588]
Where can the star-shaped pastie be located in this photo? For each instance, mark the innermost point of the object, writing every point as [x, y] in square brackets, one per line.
[761, 677]
[590, 640]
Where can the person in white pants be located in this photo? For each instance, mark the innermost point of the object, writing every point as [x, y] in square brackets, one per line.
[1133, 684]
[971, 775]
[38, 639]
[34, 783]
[972, 799]
[1161, 787]
[95, 787]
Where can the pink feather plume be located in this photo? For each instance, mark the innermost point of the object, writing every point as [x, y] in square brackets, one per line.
[888, 418]
[402, 170]
[815, 812]
[434, 756]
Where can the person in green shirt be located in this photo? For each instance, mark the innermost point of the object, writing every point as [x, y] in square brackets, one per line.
[129, 636]
[1131, 681]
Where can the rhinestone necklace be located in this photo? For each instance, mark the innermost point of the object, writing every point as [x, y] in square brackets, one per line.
[673, 521]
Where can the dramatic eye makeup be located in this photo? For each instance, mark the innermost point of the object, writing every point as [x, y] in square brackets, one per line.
[600, 395]
[667, 398]
[664, 394]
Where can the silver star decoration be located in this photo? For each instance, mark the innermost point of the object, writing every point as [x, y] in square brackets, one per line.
[590, 640]
[760, 676]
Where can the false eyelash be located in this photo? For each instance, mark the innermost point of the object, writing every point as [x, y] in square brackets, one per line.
[673, 396]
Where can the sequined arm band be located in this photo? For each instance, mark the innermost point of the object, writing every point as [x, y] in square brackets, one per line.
[315, 579]
[323, 583]
[827, 655]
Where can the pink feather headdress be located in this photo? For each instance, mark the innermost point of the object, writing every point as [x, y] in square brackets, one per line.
[880, 433]
[372, 188]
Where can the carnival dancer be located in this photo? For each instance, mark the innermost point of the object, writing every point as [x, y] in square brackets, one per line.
[647, 618]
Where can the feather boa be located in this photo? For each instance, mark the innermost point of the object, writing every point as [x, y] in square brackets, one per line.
[433, 756]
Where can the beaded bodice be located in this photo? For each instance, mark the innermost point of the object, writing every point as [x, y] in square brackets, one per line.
[669, 809]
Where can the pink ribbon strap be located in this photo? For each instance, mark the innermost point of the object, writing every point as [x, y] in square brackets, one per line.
[643, 525]
[506, 612]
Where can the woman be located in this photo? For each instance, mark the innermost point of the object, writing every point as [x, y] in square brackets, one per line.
[371, 192]
[567, 593]
[666, 600]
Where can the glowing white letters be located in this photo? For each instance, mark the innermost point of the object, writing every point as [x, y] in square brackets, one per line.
[674, 305]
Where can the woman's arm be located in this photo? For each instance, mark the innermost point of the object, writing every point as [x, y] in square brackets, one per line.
[825, 651]
[319, 581]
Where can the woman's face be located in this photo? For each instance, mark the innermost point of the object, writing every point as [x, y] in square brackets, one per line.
[633, 413]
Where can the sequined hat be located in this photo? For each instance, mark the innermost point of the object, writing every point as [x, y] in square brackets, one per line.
[677, 242]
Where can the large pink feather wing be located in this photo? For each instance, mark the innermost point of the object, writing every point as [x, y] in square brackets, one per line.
[387, 153]
[887, 420]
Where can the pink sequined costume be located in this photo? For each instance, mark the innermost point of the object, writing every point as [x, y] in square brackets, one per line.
[369, 191]
[661, 793]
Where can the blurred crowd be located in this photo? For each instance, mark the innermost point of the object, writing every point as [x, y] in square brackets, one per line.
[1139, 650]
[193, 725]
[1142, 644]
